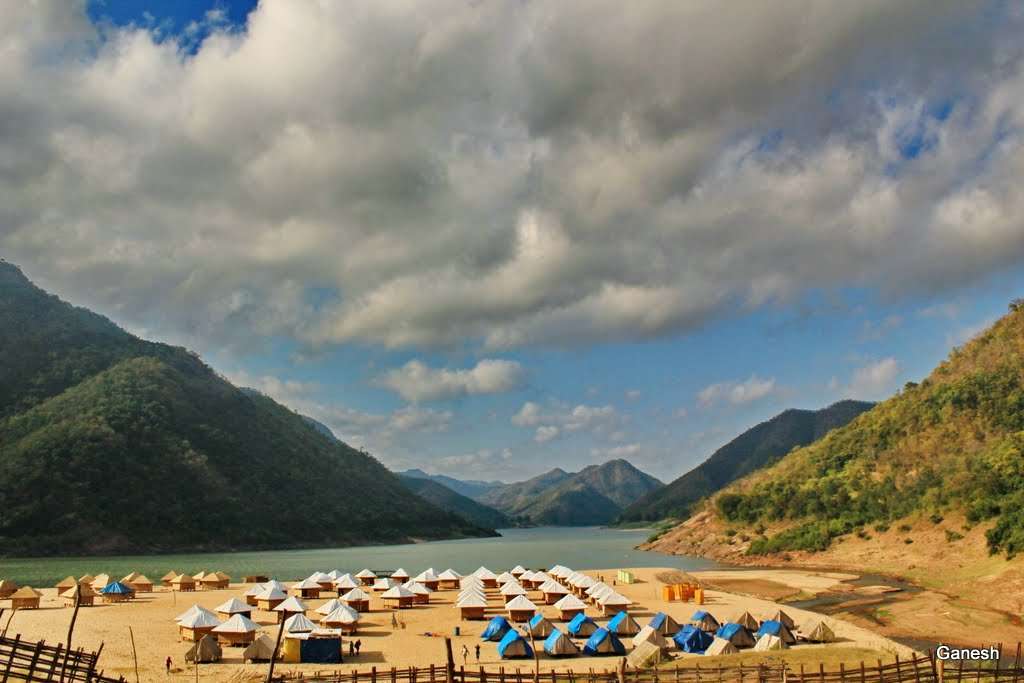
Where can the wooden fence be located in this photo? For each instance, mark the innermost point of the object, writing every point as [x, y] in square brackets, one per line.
[36, 661]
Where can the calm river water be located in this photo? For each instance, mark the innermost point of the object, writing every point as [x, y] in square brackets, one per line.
[576, 547]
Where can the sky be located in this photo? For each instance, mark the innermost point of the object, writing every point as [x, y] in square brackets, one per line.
[488, 239]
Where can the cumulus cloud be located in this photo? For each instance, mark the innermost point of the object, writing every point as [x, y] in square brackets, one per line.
[415, 381]
[874, 380]
[559, 418]
[546, 433]
[736, 393]
[630, 450]
[506, 174]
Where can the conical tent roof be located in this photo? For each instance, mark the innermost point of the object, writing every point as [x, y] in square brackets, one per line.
[334, 574]
[614, 599]
[663, 623]
[200, 575]
[298, 623]
[116, 588]
[397, 592]
[168, 576]
[261, 649]
[512, 588]
[417, 588]
[320, 577]
[384, 584]
[345, 582]
[748, 620]
[205, 651]
[330, 606]
[449, 575]
[720, 646]
[783, 618]
[26, 592]
[526, 576]
[183, 579]
[586, 582]
[100, 581]
[141, 578]
[400, 574]
[86, 578]
[819, 632]
[254, 591]
[737, 634]
[767, 643]
[539, 576]
[648, 635]
[505, 577]
[704, 620]
[306, 584]
[471, 601]
[776, 628]
[427, 575]
[84, 590]
[239, 623]
[271, 593]
[559, 645]
[552, 587]
[484, 573]
[623, 625]
[518, 569]
[69, 582]
[570, 602]
[365, 574]
[343, 614]
[644, 656]
[355, 594]
[274, 583]
[581, 625]
[193, 610]
[199, 619]
[292, 604]
[128, 578]
[232, 606]
[596, 587]
[520, 603]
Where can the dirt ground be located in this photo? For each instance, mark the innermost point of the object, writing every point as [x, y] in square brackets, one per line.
[967, 596]
[151, 618]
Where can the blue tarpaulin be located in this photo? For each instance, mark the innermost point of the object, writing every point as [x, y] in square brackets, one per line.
[496, 629]
[582, 625]
[513, 645]
[692, 639]
[604, 642]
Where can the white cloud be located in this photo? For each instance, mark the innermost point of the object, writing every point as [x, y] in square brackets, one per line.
[874, 380]
[736, 393]
[528, 415]
[505, 174]
[546, 433]
[624, 451]
[633, 394]
[415, 381]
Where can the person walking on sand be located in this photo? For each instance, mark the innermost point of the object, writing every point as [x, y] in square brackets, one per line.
[359, 644]
[167, 665]
[351, 648]
[465, 654]
[478, 653]
[394, 621]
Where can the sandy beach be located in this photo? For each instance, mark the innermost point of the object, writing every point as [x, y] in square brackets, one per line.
[156, 635]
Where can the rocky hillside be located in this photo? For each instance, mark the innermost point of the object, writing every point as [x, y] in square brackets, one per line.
[109, 443]
[446, 499]
[755, 448]
[948, 448]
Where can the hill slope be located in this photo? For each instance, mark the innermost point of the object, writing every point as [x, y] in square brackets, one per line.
[471, 488]
[951, 446]
[755, 448]
[594, 495]
[109, 443]
[446, 499]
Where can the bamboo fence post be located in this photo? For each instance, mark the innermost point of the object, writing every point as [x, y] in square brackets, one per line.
[135, 656]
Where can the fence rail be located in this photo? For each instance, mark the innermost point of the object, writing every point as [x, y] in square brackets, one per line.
[36, 661]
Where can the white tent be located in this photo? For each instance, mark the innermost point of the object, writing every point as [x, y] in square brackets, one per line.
[384, 584]
[614, 600]
[449, 575]
[595, 587]
[427, 575]
[334, 574]
[570, 602]
[512, 588]
[720, 646]
[818, 632]
[539, 578]
[345, 582]
[561, 645]
[330, 606]
[355, 595]
[320, 577]
[471, 600]
[199, 619]
[342, 615]
[400, 574]
[233, 606]
[254, 591]
[517, 570]
[505, 577]
[485, 574]
[274, 583]
[585, 582]
[298, 623]
[768, 642]
[306, 584]
[417, 588]
[365, 574]
[239, 623]
[526, 576]
[553, 588]
[649, 635]
[398, 591]
[520, 603]
[191, 611]
[271, 593]
[292, 604]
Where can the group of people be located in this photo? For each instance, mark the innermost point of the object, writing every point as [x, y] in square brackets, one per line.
[353, 646]
[465, 654]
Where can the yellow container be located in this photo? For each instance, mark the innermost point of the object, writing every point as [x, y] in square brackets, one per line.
[291, 650]
[698, 596]
[667, 594]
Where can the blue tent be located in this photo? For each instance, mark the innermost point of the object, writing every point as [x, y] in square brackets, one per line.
[604, 642]
[581, 625]
[736, 634]
[705, 620]
[539, 626]
[558, 644]
[622, 625]
[513, 645]
[116, 588]
[663, 623]
[776, 628]
[496, 629]
[692, 639]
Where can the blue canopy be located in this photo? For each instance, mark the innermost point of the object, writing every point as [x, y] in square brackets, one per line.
[698, 615]
[537, 618]
[514, 645]
[657, 620]
[604, 642]
[776, 628]
[116, 588]
[580, 623]
[496, 629]
[692, 639]
[551, 644]
[617, 620]
[727, 631]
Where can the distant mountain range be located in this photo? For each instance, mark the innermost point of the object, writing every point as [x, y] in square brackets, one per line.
[113, 444]
[758, 447]
[471, 488]
[595, 495]
[456, 503]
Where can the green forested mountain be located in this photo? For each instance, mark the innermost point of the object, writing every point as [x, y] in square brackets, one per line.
[446, 499]
[758, 447]
[471, 488]
[594, 495]
[109, 443]
[954, 442]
